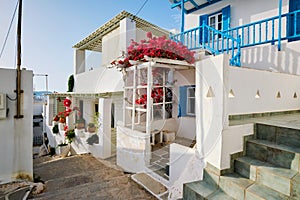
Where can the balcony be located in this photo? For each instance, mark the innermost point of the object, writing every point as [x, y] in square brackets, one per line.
[271, 30]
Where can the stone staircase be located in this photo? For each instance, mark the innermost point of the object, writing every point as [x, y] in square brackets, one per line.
[267, 169]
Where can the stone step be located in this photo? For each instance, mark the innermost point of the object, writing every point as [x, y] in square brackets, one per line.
[234, 185]
[276, 178]
[276, 154]
[150, 184]
[198, 190]
[260, 192]
[219, 195]
[278, 135]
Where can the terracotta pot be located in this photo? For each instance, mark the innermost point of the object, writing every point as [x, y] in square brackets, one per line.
[91, 129]
[62, 120]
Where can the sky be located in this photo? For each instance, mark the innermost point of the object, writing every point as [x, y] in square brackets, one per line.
[51, 27]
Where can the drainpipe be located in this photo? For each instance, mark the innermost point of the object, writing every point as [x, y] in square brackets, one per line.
[279, 25]
[18, 87]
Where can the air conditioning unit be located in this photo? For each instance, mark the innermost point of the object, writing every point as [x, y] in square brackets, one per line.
[2, 105]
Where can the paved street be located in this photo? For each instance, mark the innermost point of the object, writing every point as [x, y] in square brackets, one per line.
[85, 177]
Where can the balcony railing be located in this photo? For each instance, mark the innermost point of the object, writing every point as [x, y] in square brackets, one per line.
[267, 30]
[216, 42]
[270, 30]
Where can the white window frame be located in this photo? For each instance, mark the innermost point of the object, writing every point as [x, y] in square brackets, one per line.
[216, 24]
[188, 102]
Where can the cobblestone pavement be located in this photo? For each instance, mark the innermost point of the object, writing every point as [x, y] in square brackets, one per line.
[85, 177]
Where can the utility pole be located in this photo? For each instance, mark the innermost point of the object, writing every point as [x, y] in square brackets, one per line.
[18, 87]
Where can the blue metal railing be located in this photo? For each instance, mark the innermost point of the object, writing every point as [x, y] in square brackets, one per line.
[266, 31]
[217, 42]
[232, 40]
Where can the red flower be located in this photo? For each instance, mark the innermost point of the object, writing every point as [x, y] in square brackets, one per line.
[65, 128]
[67, 102]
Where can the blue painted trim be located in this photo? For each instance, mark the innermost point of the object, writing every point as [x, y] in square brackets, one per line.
[209, 3]
[196, 6]
[279, 25]
[182, 15]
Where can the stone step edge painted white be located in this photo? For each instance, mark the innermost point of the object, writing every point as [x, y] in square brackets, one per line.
[133, 177]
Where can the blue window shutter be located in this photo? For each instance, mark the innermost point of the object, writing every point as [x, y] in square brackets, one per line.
[203, 20]
[226, 17]
[293, 6]
[182, 101]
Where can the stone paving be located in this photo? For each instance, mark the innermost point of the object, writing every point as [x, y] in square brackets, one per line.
[85, 177]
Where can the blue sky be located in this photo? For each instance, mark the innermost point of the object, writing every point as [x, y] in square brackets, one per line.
[52, 27]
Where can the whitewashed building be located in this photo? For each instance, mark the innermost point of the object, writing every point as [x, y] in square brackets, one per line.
[100, 90]
[16, 133]
[249, 67]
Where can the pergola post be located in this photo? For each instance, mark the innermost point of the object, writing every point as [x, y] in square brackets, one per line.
[149, 99]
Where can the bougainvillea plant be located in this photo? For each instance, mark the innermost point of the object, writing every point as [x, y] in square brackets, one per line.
[159, 47]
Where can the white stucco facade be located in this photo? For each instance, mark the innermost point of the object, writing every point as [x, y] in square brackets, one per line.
[16, 134]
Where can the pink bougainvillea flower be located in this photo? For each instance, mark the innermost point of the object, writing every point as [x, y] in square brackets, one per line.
[149, 35]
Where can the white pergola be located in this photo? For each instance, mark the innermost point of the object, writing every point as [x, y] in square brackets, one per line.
[142, 79]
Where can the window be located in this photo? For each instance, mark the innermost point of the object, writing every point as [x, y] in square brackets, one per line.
[191, 101]
[219, 20]
[215, 21]
[187, 100]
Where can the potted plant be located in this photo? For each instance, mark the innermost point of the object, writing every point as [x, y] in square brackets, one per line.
[91, 128]
[70, 135]
[79, 124]
[55, 129]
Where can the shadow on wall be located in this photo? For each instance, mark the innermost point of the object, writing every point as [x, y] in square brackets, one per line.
[267, 57]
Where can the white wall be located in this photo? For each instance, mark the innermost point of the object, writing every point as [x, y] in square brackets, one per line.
[245, 83]
[185, 166]
[38, 108]
[263, 56]
[211, 109]
[133, 150]
[186, 125]
[215, 138]
[16, 134]
[111, 47]
[100, 80]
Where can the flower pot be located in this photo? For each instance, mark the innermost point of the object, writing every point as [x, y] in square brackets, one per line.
[79, 125]
[91, 129]
[63, 151]
[62, 120]
[61, 127]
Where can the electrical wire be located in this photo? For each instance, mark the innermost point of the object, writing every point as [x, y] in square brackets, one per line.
[10, 25]
[140, 9]
[11, 99]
